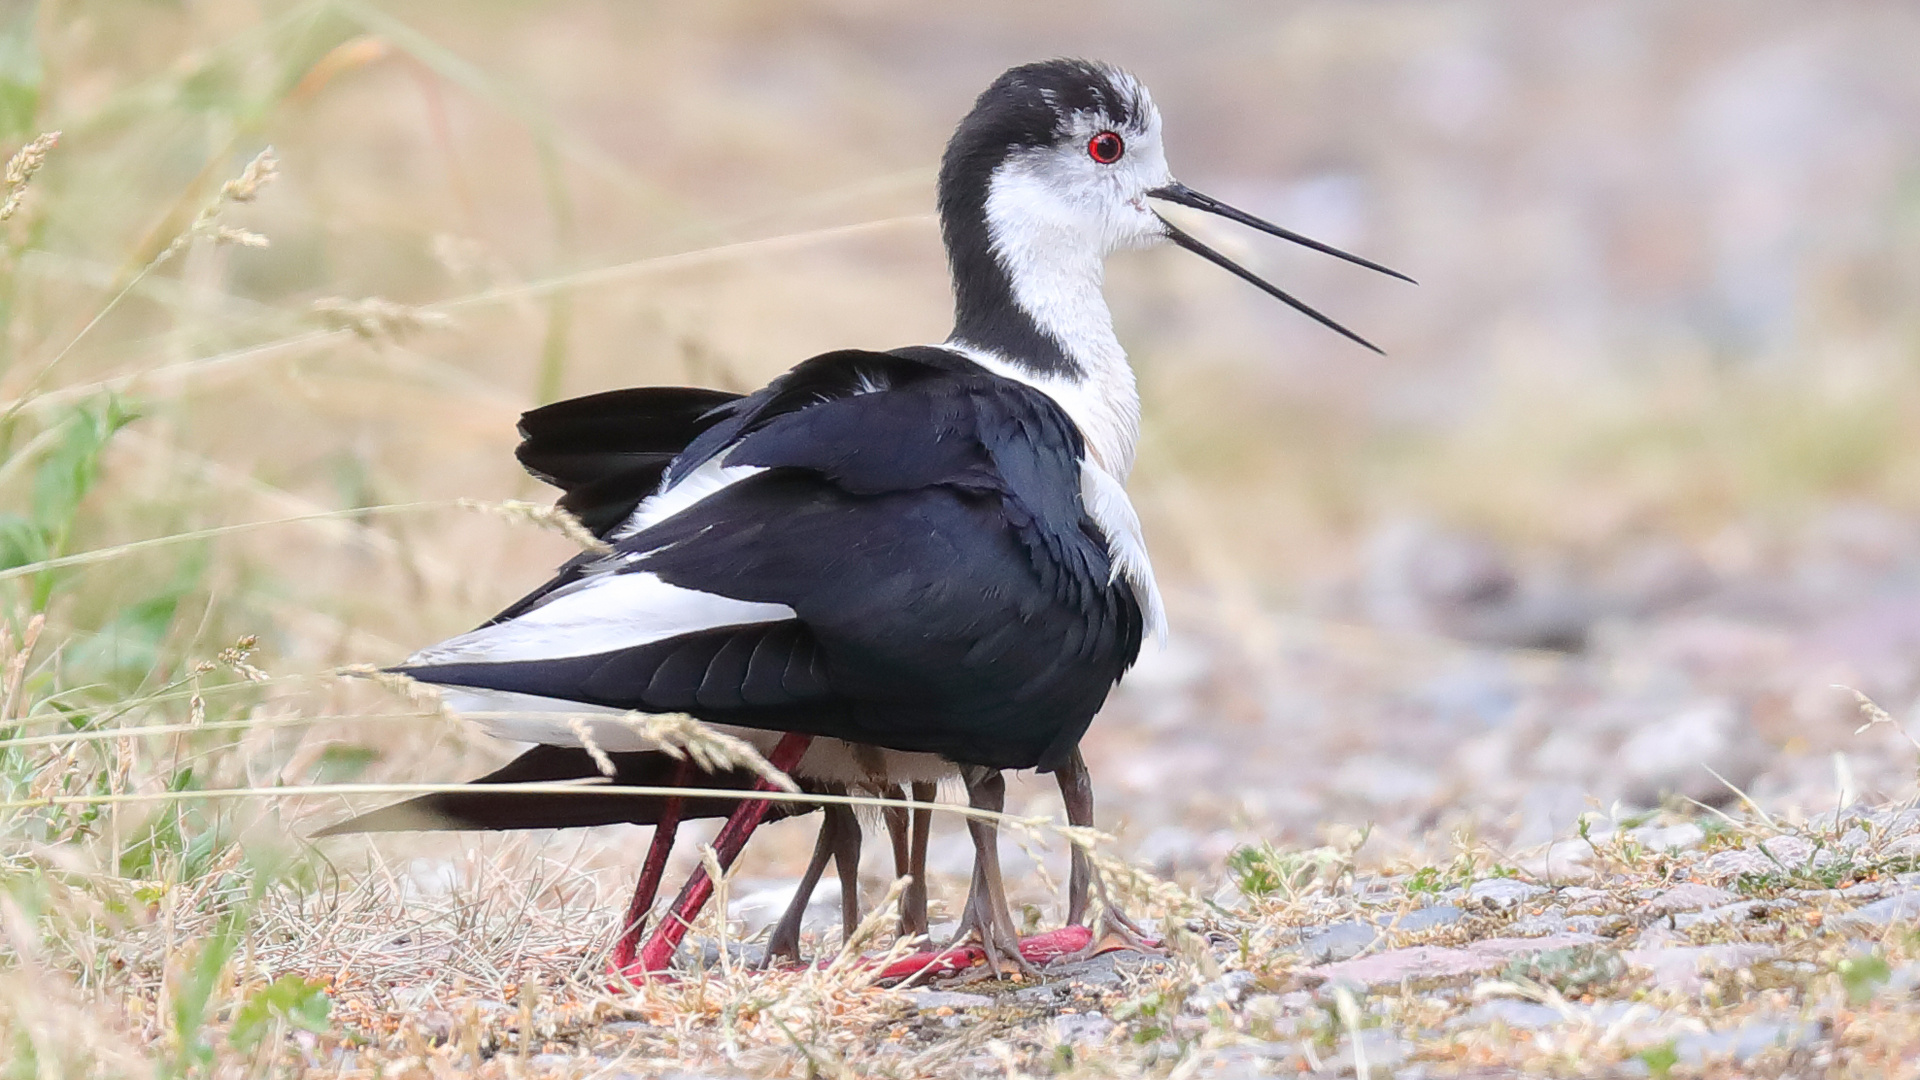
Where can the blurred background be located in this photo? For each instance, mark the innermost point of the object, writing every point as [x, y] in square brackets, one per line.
[1636, 485]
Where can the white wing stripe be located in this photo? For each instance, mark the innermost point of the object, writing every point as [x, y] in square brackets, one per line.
[602, 614]
[711, 477]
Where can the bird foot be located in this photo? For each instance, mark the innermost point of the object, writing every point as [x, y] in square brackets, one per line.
[1069, 943]
[1114, 932]
[1034, 952]
[624, 978]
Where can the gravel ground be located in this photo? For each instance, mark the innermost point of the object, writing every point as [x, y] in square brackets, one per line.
[1468, 818]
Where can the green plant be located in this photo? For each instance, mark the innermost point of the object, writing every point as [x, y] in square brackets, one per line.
[290, 999]
[1862, 976]
[1660, 1060]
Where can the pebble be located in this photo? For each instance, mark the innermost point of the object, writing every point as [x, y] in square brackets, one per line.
[1683, 967]
[928, 1000]
[1728, 865]
[1422, 963]
[1901, 907]
[1350, 937]
[1585, 901]
[1743, 1042]
[1384, 1052]
[1745, 910]
[1520, 1015]
[1339, 941]
[1503, 893]
[1227, 990]
[1689, 896]
[1081, 1028]
[1554, 920]
[1427, 918]
[1668, 837]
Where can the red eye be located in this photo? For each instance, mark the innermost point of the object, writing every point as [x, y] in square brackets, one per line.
[1105, 148]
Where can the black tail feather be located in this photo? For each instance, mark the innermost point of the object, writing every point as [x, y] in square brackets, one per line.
[500, 810]
[607, 452]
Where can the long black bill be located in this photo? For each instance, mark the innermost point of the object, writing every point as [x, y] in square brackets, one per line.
[1186, 196]
[1177, 192]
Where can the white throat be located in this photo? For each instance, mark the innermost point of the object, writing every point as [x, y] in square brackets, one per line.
[1054, 255]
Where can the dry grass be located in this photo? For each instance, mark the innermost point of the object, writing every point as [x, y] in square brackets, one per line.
[245, 393]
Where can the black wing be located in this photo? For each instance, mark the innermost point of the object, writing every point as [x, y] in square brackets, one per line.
[920, 517]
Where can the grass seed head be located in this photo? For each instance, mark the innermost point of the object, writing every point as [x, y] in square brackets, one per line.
[20, 169]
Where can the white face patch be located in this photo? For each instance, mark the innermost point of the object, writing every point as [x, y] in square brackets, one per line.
[1054, 214]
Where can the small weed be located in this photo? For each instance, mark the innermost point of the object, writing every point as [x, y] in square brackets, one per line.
[1426, 881]
[1862, 976]
[292, 1000]
[1660, 1060]
[1570, 971]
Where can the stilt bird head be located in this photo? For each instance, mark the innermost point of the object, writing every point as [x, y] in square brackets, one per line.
[1058, 165]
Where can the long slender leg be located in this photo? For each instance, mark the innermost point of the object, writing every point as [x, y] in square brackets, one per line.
[785, 942]
[913, 904]
[658, 952]
[651, 871]
[899, 821]
[986, 915]
[846, 859]
[1076, 793]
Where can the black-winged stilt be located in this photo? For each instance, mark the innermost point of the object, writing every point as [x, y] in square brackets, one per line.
[884, 567]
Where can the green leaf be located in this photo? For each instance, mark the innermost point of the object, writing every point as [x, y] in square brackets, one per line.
[1862, 976]
[193, 995]
[1660, 1060]
[1253, 870]
[302, 1003]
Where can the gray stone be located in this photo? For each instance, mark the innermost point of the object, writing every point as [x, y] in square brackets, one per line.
[1554, 920]
[1665, 757]
[1900, 907]
[1255, 1059]
[927, 1000]
[1793, 851]
[1669, 837]
[1107, 969]
[758, 904]
[1586, 901]
[1383, 1050]
[1225, 991]
[1523, 1015]
[705, 953]
[1350, 937]
[1423, 963]
[627, 1027]
[1688, 896]
[1684, 967]
[1427, 918]
[1081, 1028]
[1045, 994]
[1339, 941]
[1744, 1041]
[1744, 911]
[1502, 893]
[1728, 865]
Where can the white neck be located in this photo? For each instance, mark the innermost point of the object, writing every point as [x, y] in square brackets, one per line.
[1055, 265]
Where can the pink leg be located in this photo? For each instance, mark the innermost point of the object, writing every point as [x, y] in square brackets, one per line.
[659, 949]
[651, 872]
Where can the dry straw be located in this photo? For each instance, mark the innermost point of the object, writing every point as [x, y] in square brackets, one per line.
[20, 170]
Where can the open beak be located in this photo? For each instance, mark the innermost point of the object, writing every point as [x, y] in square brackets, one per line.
[1177, 192]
